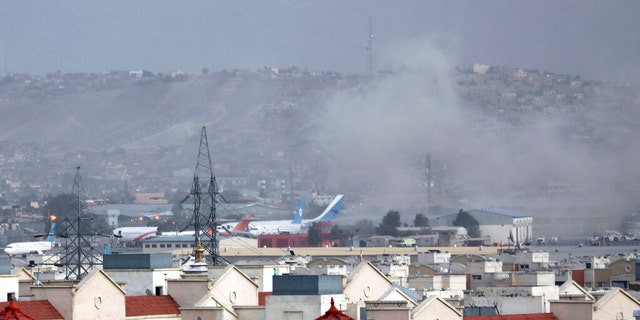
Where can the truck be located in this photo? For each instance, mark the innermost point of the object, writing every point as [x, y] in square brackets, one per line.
[405, 242]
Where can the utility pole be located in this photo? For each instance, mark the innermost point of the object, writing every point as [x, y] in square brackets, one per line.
[428, 177]
[291, 181]
[370, 50]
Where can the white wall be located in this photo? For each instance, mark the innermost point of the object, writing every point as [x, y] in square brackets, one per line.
[9, 284]
[308, 307]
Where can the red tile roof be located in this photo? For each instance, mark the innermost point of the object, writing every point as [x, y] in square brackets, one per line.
[531, 316]
[150, 305]
[33, 309]
[334, 314]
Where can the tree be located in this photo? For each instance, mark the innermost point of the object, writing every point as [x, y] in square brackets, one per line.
[420, 221]
[390, 223]
[464, 219]
[313, 236]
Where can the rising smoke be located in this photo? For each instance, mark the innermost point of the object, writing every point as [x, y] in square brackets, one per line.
[379, 136]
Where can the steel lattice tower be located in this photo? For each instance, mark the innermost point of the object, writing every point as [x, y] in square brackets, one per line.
[204, 192]
[78, 256]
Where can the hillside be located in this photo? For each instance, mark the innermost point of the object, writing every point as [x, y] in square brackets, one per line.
[507, 137]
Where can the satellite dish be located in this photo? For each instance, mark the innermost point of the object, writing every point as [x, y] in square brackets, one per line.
[148, 292]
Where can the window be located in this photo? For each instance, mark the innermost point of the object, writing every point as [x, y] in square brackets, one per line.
[154, 246]
[158, 290]
[146, 245]
[162, 245]
[603, 284]
[184, 245]
[587, 284]
[476, 277]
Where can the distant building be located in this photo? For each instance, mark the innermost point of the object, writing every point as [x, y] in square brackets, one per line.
[150, 198]
[480, 68]
[497, 225]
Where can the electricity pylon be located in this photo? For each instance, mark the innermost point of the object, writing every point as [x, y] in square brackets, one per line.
[204, 192]
[78, 256]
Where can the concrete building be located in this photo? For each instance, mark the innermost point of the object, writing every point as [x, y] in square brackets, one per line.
[430, 258]
[96, 296]
[218, 293]
[304, 296]
[435, 308]
[365, 282]
[616, 304]
[497, 225]
[141, 273]
[517, 293]
[481, 271]
[328, 266]
[9, 283]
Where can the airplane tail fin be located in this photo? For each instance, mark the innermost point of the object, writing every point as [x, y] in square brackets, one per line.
[52, 234]
[332, 209]
[243, 223]
[297, 218]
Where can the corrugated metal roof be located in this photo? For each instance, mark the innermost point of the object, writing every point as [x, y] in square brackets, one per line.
[134, 210]
[504, 212]
[410, 293]
[487, 216]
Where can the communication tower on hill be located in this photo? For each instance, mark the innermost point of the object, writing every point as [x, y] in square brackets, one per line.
[370, 50]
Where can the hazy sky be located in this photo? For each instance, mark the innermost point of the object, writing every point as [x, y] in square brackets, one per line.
[596, 39]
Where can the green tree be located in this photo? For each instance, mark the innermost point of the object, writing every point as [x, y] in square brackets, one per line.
[464, 219]
[390, 223]
[420, 221]
[313, 236]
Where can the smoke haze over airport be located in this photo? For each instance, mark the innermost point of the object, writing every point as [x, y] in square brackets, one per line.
[373, 138]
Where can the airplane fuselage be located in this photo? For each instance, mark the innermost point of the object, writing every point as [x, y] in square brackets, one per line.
[134, 234]
[18, 248]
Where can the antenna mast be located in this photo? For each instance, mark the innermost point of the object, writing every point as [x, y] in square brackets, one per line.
[370, 50]
[204, 192]
[79, 255]
[427, 173]
[291, 181]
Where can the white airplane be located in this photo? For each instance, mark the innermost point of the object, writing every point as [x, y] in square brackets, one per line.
[134, 234]
[33, 247]
[297, 225]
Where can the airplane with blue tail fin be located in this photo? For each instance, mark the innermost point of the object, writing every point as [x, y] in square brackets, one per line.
[33, 247]
[297, 225]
